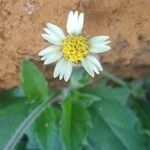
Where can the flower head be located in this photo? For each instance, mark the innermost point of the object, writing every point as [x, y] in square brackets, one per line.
[74, 48]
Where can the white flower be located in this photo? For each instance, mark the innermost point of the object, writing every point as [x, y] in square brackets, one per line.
[74, 48]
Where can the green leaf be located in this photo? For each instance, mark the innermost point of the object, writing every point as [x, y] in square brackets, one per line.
[16, 116]
[85, 99]
[113, 121]
[104, 91]
[115, 128]
[33, 82]
[33, 143]
[45, 129]
[74, 125]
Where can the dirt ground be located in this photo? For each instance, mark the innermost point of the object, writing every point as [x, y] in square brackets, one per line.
[126, 21]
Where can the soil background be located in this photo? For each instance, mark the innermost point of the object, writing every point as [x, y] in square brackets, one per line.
[127, 22]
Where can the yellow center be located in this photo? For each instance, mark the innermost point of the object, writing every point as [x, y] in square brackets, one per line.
[75, 48]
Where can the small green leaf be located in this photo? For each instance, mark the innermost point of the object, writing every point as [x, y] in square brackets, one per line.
[74, 125]
[33, 82]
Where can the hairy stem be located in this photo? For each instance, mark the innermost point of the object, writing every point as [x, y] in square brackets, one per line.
[25, 124]
[113, 78]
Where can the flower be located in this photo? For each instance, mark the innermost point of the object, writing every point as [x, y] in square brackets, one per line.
[74, 48]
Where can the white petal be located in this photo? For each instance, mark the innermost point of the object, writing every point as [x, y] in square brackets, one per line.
[52, 39]
[68, 70]
[49, 50]
[56, 29]
[45, 57]
[79, 24]
[75, 23]
[98, 39]
[51, 54]
[96, 70]
[107, 42]
[76, 15]
[69, 22]
[95, 62]
[63, 69]
[98, 44]
[58, 68]
[49, 32]
[100, 49]
[54, 34]
[87, 67]
[52, 58]
[92, 65]
[61, 75]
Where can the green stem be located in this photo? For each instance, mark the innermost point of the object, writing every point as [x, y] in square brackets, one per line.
[25, 124]
[113, 78]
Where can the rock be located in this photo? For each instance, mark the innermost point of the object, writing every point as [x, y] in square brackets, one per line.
[126, 21]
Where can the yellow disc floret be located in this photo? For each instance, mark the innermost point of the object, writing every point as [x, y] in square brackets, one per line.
[75, 48]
